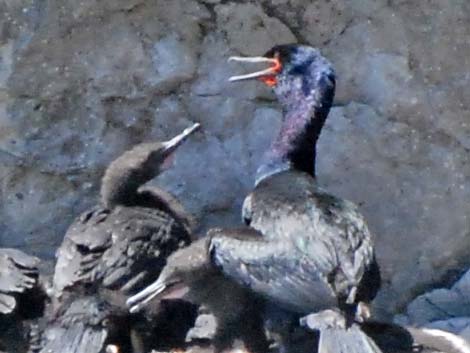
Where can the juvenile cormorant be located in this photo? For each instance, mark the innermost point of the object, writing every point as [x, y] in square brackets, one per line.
[107, 252]
[190, 274]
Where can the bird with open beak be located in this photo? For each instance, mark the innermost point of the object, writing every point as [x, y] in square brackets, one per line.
[316, 253]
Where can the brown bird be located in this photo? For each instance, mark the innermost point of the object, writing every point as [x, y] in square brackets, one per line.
[114, 250]
[191, 275]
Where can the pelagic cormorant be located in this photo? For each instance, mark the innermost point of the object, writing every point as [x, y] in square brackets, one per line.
[312, 251]
[190, 274]
[113, 250]
[316, 252]
[304, 249]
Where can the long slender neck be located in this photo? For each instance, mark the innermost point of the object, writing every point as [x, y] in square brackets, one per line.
[126, 174]
[295, 146]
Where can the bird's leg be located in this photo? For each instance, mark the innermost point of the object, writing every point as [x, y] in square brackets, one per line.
[325, 319]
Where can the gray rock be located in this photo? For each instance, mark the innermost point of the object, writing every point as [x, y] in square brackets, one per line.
[442, 308]
[458, 325]
[174, 63]
[250, 31]
[398, 179]
[204, 328]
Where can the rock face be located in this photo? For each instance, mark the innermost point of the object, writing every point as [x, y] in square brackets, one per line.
[82, 81]
[442, 308]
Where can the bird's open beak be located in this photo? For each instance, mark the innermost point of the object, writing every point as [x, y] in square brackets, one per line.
[161, 288]
[139, 300]
[271, 71]
[171, 145]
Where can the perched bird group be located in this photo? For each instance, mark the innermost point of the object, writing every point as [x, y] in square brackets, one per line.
[128, 267]
[302, 248]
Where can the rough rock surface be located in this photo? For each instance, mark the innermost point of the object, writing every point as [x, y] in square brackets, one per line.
[443, 308]
[82, 81]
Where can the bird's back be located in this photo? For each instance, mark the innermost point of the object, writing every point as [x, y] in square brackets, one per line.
[315, 247]
[121, 249]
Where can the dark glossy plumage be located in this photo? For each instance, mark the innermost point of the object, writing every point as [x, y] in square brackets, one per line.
[314, 251]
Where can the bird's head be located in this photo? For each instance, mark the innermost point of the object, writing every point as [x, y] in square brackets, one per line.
[136, 167]
[296, 72]
[183, 267]
[160, 154]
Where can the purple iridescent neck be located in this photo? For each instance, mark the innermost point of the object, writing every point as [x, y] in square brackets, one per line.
[295, 146]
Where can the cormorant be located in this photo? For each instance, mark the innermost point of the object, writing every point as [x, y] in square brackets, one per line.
[316, 252]
[107, 252]
[323, 239]
[313, 251]
[190, 274]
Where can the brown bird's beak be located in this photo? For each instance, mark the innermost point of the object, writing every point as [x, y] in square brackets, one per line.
[138, 301]
[264, 75]
[161, 288]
